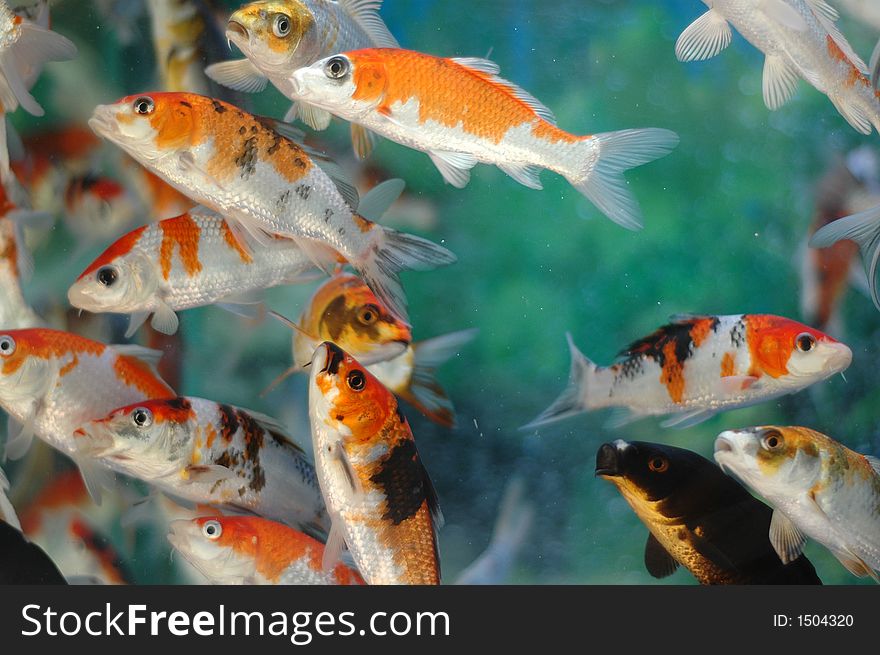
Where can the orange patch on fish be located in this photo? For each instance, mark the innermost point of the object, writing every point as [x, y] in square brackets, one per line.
[138, 374]
[120, 248]
[234, 244]
[67, 489]
[672, 373]
[185, 233]
[770, 340]
[46, 344]
[854, 75]
[447, 93]
[700, 329]
[728, 365]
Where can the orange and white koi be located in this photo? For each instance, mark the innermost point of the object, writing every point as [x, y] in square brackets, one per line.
[344, 310]
[52, 382]
[180, 263]
[279, 36]
[800, 41]
[848, 187]
[253, 551]
[259, 180]
[381, 501]
[460, 112]
[700, 365]
[818, 488]
[15, 263]
[98, 208]
[211, 454]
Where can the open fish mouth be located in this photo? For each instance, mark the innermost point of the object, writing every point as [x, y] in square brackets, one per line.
[238, 34]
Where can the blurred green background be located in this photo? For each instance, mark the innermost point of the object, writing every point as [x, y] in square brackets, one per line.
[724, 214]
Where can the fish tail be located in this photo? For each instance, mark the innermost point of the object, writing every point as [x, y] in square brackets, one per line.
[600, 176]
[391, 252]
[424, 391]
[862, 228]
[576, 397]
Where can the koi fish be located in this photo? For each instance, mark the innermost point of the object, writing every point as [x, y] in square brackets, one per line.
[460, 112]
[52, 382]
[818, 488]
[240, 166]
[848, 187]
[98, 208]
[279, 36]
[253, 551]
[862, 228]
[345, 311]
[697, 517]
[381, 501]
[163, 199]
[700, 365]
[800, 41]
[210, 454]
[15, 263]
[180, 263]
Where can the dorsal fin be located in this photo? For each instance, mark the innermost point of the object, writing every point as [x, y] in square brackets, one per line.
[490, 68]
[366, 14]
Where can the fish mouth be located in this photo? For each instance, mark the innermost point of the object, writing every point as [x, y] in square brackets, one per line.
[333, 357]
[296, 81]
[608, 461]
[93, 442]
[78, 296]
[103, 121]
[841, 357]
[238, 34]
[723, 445]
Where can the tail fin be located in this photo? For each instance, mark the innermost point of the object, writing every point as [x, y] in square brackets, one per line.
[574, 399]
[601, 178]
[864, 229]
[391, 253]
[424, 392]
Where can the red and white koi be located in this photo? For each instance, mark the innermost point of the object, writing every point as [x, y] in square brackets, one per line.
[800, 41]
[460, 112]
[818, 488]
[279, 36]
[52, 382]
[189, 261]
[211, 454]
[240, 166]
[253, 551]
[700, 365]
[381, 501]
[344, 311]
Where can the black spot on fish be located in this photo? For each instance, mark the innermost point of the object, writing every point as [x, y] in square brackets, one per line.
[400, 415]
[283, 199]
[336, 357]
[298, 162]
[303, 191]
[247, 160]
[404, 482]
[738, 334]
[218, 106]
[180, 404]
[242, 130]
[328, 214]
[655, 346]
[185, 104]
[228, 422]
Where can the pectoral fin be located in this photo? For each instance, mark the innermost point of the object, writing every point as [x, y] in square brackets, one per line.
[165, 320]
[19, 436]
[856, 565]
[780, 82]
[787, 540]
[240, 75]
[704, 38]
[455, 167]
[658, 561]
[334, 546]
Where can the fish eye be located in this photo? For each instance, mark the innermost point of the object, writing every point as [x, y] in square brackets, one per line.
[142, 417]
[336, 68]
[805, 342]
[368, 314]
[107, 275]
[356, 380]
[7, 346]
[281, 25]
[773, 440]
[658, 464]
[212, 529]
[144, 106]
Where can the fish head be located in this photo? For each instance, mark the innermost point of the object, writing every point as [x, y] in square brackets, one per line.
[349, 83]
[150, 126]
[776, 462]
[210, 544]
[121, 279]
[345, 311]
[98, 206]
[651, 474]
[794, 354]
[151, 437]
[346, 397]
[271, 33]
[29, 363]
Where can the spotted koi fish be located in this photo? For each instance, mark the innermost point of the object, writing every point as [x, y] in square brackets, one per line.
[344, 310]
[210, 454]
[15, 263]
[279, 36]
[818, 488]
[240, 166]
[460, 112]
[800, 41]
[700, 365]
[253, 551]
[380, 499]
[180, 263]
[52, 382]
